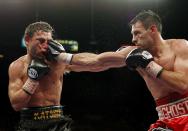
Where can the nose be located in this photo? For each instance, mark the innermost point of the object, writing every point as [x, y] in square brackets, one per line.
[44, 45]
[134, 40]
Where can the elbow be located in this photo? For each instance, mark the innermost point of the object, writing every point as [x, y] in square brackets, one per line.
[16, 107]
[184, 88]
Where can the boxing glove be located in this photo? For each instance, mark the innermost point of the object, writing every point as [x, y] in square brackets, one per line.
[142, 58]
[54, 49]
[37, 69]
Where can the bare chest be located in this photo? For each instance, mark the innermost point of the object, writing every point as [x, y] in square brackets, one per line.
[158, 87]
[166, 62]
[53, 79]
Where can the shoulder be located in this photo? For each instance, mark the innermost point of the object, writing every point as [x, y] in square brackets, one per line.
[178, 45]
[126, 50]
[17, 66]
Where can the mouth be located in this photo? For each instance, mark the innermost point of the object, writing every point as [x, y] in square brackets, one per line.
[40, 55]
[137, 44]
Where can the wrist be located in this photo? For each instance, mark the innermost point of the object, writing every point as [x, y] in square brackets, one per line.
[30, 86]
[154, 69]
[65, 58]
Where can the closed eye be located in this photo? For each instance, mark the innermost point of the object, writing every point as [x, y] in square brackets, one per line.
[136, 33]
[41, 40]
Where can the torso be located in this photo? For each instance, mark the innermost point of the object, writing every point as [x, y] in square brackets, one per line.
[50, 86]
[171, 60]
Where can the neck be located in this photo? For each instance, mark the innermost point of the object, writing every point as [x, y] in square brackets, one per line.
[28, 58]
[158, 47]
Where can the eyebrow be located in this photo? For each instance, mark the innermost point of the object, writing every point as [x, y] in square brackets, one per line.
[134, 32]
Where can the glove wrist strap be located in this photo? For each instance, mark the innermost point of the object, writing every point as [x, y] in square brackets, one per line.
[30, 86]
[154, 69]
[65, 58]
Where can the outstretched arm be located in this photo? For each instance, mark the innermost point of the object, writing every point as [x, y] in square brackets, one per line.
[87, 61]
[100, 62]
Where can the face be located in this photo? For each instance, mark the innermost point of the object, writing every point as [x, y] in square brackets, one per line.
[141, 36]
[38, 44]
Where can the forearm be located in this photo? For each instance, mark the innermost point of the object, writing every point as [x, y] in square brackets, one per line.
[20, 100]
[177, 81]
[95, 63]
[65, 58]
[106, 58]
[112, 59]
[85, 59]
[21, 97]
[87, 68]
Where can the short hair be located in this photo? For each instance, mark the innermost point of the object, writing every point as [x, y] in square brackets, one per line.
[148, 18]
[37, 26]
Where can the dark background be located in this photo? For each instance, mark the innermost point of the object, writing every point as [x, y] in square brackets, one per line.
[112, 100]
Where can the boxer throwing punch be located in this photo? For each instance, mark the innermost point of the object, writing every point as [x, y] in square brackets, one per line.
[165, 74]
[160, 62]
[163, 65]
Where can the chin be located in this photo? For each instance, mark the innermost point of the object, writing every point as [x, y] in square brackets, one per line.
[38, 57]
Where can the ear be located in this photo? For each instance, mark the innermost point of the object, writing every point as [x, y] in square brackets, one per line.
[153, 28]
[27, 39]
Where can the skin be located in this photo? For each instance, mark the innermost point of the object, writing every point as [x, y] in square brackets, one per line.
[49, 89]
[171, 54]
[48, 92]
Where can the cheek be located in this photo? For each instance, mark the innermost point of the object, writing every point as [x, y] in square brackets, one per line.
[32, 50]
[148, 39]
[42, 46]
[143, 38]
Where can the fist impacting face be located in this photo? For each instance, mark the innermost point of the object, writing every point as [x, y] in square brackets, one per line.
[38, 44]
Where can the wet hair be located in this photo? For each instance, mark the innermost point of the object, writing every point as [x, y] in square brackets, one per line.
[148, 18]
[37, 26]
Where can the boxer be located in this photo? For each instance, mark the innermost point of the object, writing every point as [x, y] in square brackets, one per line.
[36, 79]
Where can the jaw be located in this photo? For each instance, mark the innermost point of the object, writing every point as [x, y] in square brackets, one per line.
[37, 55]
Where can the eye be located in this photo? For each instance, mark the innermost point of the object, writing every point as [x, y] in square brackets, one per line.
[136, 33]
[41, 40]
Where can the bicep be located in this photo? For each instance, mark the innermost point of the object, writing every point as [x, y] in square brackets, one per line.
[115, 59]
[15, 82]
[110, 57]
[75, 68]
[84, 59]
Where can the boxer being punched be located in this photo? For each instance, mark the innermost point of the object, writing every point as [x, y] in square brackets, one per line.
[162, 64]
[36, 79]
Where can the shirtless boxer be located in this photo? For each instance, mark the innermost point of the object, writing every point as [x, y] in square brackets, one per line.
[36, 79]
[163, 70]
[163, 66]
[166, 75]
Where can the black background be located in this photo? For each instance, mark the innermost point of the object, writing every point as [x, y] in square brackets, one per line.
[116, 99]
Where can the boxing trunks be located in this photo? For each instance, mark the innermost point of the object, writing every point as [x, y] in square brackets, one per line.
[44, 118]
[173, 113]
